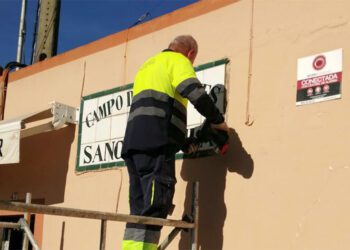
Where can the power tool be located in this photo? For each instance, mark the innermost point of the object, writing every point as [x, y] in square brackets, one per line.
[207, 139]
[216, 136]
[206, 134]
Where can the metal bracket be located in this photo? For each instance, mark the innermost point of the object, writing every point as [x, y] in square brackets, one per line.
[63, 114]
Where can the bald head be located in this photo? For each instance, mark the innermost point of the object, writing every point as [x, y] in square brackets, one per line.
[185, 45]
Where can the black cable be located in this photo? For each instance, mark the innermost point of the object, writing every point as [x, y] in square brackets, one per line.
[14, 64]
[141, 18]
[147, 14]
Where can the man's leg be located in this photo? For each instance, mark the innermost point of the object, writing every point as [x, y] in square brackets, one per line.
[161, 187]
[131, 239]
[157, 179]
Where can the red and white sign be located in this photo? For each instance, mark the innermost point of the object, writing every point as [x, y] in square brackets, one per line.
[319, 77]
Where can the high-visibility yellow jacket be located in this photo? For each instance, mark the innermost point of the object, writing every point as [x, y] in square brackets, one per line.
[158, 113]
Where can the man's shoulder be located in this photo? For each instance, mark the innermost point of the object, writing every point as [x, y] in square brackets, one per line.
[173, 57]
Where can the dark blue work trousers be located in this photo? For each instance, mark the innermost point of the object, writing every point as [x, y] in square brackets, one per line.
[152, 184]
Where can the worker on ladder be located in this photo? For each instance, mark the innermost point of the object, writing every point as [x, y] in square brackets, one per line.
[156, 130]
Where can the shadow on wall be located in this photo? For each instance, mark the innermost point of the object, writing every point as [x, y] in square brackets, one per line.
[211, 174]
[42, 171]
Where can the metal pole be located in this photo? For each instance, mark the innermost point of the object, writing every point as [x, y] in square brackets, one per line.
[26, 229]
[169, 238]
[27, 220]
[8, 242]
[9, 225]
[195, 214]
[22, 32]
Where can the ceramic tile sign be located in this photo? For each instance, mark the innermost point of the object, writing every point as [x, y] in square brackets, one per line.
[319, 77]
[103, 118]
[104, 115]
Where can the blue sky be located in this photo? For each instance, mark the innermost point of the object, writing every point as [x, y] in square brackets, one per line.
[81, 21]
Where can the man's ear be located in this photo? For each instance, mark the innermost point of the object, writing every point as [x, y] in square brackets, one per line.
[191, 55]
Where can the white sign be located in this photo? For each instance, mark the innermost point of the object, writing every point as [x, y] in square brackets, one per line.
[319, 77]
[9, 142]
[103, 119]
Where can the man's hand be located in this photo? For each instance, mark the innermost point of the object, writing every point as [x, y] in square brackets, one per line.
[221, 126]
[192, 148]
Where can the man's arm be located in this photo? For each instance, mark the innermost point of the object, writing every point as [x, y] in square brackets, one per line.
[193, 90]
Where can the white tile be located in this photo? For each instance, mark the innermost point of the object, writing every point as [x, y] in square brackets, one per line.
[103, 129]
[88, 134]
[105, 106]
[89, 107]
[214, 75]
[118, 126]
[122, 101]
[200, 75]
[85, 156]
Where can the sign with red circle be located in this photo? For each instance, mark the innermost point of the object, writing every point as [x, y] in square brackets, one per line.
[319, 62]
[319, 77]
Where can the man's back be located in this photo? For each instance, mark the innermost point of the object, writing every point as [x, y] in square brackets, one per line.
[158, 112]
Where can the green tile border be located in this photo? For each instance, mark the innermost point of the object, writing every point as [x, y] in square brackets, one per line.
[107, 92]
[212, 64]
